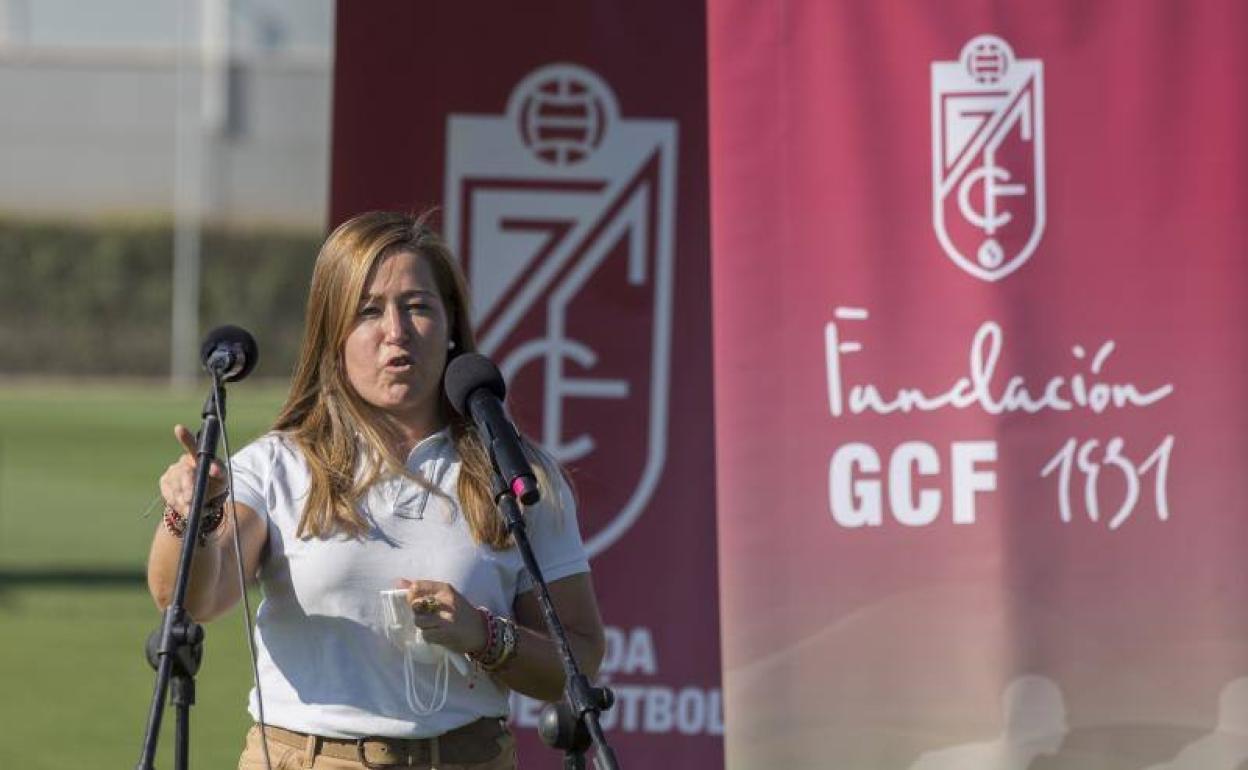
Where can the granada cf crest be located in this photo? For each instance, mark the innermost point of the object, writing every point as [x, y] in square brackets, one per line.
[988, 157]
[563, 211]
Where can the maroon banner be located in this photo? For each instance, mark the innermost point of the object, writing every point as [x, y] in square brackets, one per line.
[980, 323]
[565, 143]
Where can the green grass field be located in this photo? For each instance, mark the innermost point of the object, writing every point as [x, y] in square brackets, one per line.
[78, 471]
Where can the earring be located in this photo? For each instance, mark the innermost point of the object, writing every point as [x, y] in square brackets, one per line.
[450, 345]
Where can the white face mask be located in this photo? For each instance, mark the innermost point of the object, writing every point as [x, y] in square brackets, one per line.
[401, 629]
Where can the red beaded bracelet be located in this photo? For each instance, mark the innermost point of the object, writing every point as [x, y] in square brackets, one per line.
[214, 515]
[500, 642]
[487, 620]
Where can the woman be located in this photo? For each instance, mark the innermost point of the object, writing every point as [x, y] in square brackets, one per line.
[369, 482]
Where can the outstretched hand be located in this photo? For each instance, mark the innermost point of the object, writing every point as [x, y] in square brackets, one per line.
[445, 616]
[177, 484]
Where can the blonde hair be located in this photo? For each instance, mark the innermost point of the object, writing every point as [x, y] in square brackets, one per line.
[345, 440]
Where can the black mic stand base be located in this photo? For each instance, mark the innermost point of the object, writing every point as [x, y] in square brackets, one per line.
[561, 728]
[188, 653]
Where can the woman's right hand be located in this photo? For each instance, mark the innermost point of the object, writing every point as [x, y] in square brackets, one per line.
[177, 484]
[214, 587]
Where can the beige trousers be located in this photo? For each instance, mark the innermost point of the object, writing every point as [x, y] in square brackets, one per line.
[292, 758]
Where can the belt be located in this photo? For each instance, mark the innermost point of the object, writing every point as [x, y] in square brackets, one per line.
[474, 742]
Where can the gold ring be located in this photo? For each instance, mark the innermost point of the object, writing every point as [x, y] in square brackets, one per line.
[426, 605]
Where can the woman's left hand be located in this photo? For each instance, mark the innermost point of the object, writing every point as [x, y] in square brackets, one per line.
[445, 616]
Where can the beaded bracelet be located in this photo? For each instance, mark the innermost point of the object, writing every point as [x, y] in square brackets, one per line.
[500, 642]
[491, 648]
[509, 642]
[214, 515]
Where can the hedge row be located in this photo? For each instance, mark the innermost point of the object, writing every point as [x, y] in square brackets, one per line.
[96, 298]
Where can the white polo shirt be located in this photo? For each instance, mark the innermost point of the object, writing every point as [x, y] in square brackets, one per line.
[326, 666]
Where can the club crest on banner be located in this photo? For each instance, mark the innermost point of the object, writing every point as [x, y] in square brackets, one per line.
[563, 213]
[988, 157]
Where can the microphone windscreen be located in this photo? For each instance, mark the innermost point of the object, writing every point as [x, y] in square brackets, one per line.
[468, 372]
[235, 337]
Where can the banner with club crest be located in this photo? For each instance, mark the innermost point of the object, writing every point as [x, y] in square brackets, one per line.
[565, 144]
[980, 332]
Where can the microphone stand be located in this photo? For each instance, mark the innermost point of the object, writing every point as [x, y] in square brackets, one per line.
[573, 724]
[176, 649]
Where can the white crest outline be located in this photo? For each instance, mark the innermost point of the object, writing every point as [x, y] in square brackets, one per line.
[940, 178]
[509, 163]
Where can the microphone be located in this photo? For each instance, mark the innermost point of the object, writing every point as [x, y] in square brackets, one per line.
[229, 353]
[476, 389]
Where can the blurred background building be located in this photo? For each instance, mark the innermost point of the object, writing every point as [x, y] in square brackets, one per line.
[102, 100]
[163, 168]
